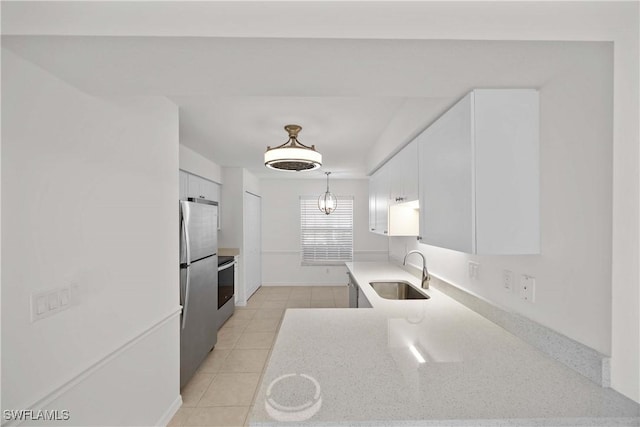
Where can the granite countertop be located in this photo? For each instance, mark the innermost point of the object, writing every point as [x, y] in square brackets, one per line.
[361, 367]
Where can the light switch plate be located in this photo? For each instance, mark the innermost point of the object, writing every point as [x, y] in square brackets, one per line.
[40, 305]
[474, 270]
[64, 297]
[507, 280]
[50, 302]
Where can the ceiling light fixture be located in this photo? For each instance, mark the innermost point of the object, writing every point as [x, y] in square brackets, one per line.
[292, 155]
[327, 202]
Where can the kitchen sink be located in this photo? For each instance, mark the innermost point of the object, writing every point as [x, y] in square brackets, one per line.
[397, 290]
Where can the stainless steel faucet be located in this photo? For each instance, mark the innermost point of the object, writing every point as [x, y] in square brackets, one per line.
[425, 273]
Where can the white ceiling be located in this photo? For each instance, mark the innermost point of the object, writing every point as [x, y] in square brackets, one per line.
[358, 101]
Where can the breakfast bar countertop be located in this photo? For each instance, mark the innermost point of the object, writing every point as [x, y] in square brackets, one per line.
[428, 362]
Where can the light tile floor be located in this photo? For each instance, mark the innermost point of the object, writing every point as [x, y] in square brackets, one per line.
[222, 390]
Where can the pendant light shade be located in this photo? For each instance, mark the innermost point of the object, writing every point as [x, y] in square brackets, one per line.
[327, 202]
[292, 155]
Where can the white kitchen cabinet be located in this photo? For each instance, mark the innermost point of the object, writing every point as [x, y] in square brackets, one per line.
[372, 203]
[403, 175]
[479, 174]
[211, 190]
[201, 188]
[379, 201]
[392, 186]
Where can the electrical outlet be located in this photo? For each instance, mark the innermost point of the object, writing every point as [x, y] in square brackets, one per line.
[474, 270]
[528, 288]
[507, 280]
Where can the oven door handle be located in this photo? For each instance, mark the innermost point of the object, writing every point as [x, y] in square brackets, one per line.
[227, 265]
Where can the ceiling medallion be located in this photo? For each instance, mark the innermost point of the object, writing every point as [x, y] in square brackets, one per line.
[293, 156]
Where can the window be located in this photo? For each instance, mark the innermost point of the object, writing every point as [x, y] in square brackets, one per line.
[326, 239]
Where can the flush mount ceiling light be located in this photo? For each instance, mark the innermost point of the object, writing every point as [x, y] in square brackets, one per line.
[293, 155]
[327, 202]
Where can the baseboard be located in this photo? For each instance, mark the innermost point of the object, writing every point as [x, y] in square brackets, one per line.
[171, 411]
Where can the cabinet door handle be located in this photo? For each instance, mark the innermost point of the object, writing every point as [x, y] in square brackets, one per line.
[385, 231]
[373, 229]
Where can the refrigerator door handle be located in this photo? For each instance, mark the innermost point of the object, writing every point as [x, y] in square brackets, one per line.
[185, 301]
[186, 237]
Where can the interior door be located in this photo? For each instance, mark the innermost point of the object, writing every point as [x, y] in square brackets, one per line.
[252, 243]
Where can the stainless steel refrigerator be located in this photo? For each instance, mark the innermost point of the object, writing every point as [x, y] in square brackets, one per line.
[198, 283]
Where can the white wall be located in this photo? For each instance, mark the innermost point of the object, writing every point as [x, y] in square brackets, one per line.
[89, 189]
[197, 164]
[281, 231]
[230, 235]
[573, 270]
[232, 228]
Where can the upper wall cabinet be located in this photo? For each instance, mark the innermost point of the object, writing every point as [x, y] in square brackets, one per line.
[479, 175]
[395, 183]
[403, 174]
[198, 188]
[379, 201]
[372, 203]
[193, 186]
[201, 188]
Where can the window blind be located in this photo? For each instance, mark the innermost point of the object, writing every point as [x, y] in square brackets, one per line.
[326, 239]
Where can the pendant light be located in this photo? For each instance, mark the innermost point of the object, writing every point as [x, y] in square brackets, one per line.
[327, 202]
[293, 155]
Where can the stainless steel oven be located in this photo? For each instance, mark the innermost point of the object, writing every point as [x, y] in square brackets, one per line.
[226, 288]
